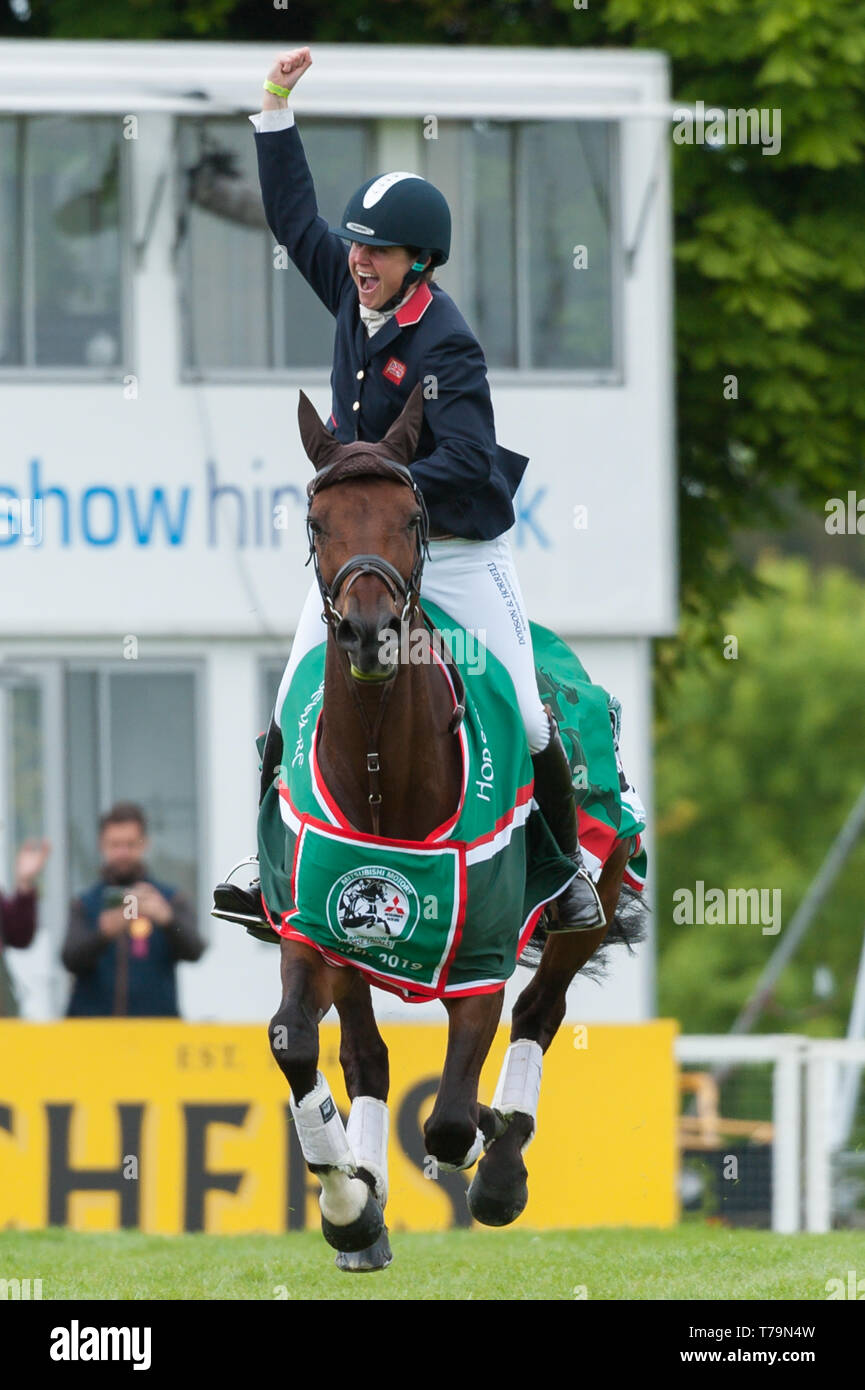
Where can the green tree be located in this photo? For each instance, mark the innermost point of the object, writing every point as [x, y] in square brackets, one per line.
[770, 275]
[757, 766]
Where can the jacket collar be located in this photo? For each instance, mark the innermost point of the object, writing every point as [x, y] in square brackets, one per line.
[415, 307]
[409, 313]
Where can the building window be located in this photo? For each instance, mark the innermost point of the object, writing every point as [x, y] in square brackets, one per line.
[270, 675]
[61, 243]
[525, 197]
[131, 736]
[26, 769]
[238, 311]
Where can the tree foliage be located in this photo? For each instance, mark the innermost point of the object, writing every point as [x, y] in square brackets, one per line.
[770, 274]
[757, 767]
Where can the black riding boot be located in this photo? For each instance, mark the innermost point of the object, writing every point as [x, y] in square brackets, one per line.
[579, 907]
[233, 903]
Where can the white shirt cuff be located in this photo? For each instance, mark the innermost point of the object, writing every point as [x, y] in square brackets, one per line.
[280, 119]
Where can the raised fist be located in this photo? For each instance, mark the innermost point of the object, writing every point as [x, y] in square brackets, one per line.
[290, 67]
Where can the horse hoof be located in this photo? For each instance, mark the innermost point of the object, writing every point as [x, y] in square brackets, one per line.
[359, 1234]
[493, 1206]
[376, 1256]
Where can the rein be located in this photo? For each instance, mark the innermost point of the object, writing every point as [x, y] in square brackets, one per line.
[408, 590]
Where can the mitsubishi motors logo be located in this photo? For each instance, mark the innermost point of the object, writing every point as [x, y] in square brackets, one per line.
[372, 904]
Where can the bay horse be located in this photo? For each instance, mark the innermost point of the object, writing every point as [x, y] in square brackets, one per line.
[389, 756]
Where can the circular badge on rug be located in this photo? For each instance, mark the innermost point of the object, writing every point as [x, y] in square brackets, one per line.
[374, 904]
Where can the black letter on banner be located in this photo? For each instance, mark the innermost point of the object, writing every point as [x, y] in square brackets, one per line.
[63, 1179]
[198, 1179]
[410, 1136]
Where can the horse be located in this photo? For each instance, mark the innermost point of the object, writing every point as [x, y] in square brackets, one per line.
[387, 749]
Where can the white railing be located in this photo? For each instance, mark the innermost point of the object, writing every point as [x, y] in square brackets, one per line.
[812, 1082]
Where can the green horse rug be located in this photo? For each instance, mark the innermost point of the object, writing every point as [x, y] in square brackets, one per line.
[449, 915]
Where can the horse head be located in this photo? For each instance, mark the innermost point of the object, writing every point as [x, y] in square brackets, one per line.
[368, 530]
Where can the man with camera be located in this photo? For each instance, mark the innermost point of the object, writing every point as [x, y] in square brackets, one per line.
[127, 933]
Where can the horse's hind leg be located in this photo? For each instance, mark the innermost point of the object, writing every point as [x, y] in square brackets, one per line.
[539, 1010]
[537, 1016]
[364, 1060]
[451, 1133]
[351, 1218]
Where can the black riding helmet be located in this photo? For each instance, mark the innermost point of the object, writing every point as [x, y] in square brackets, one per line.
[400, 209]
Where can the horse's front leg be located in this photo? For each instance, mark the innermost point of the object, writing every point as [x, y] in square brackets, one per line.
[364, 1060]
[351, 1217]
[451, 1133]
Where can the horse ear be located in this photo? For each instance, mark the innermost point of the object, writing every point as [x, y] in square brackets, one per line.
[403, 435]
[318, 442]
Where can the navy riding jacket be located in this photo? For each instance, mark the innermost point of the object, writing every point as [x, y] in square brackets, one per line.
[467, 479]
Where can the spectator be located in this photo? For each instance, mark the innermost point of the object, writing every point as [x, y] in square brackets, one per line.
[127, 933]
[18, 913]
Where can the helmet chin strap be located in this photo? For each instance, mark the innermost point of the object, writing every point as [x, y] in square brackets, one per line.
[411, 277]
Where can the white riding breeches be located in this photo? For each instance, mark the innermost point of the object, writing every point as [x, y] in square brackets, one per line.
[476, 584]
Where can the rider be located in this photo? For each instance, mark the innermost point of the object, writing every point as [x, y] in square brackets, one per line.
[394, 328]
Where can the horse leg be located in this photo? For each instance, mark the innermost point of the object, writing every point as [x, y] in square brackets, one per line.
[452, 1136]
[364, 1060]
[540, 1008]
[536, 1019]
[351, 1218]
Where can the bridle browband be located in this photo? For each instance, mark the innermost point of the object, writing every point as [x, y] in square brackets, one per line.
[396, 586]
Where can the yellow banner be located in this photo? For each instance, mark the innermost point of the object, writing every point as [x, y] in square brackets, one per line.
[171, 1126]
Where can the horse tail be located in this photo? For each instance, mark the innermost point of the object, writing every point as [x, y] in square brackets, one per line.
[630, 926]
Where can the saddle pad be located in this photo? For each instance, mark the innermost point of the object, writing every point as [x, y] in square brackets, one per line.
[608, 806]
[445, 916]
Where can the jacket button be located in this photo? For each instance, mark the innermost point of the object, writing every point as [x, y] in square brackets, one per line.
[360, 376]
[356, 405]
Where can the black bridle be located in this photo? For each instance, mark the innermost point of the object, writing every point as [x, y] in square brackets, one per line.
[408, 590]
[393, 581]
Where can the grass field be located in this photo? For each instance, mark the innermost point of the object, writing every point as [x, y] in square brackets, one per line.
[692, 1261]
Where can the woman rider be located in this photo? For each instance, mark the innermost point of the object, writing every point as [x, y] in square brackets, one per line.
[394, 328]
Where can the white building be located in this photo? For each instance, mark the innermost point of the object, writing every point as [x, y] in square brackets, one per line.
[150, 358]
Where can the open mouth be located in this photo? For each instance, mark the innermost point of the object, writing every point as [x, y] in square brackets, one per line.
[368, 283]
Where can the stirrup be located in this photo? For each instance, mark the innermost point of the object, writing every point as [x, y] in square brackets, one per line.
[232, 903]
[583, 909]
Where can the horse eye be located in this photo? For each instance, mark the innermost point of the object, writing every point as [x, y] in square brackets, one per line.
[414, 522]
[315, 528]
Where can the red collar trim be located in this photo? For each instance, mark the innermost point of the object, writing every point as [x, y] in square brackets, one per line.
[415, 307]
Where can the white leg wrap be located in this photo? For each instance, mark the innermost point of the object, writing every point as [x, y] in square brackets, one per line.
[367, 1132]
[471, 1157]
[519, 1084]
[342, 1198]
[324, 1142]
[320, 1129]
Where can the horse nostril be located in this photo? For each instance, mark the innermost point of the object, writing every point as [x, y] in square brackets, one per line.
[348, 634]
